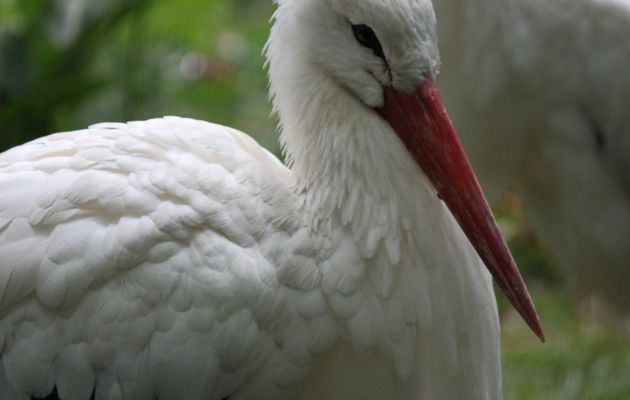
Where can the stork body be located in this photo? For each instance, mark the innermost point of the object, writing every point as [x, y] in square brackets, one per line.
[540, 88]
[174, 258]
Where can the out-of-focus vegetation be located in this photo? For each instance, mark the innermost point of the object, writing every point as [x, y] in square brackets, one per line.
[584, 357]
[587, 354]
[65, 64]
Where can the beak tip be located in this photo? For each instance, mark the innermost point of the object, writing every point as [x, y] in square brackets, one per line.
[538, 329]
[526, 308]
[536, 326]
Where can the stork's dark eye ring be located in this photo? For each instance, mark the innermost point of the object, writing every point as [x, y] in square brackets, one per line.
[367, 38]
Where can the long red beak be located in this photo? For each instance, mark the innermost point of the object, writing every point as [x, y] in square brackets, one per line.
[421, 122]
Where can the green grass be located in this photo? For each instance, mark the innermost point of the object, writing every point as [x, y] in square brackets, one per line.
[587, 354]
[583, 358]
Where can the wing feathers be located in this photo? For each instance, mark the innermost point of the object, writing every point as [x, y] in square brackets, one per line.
[131, 249]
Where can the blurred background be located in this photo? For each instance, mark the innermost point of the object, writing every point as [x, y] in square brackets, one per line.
[65, 64]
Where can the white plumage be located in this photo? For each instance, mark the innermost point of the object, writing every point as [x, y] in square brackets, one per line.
[177, 259]
[542, 90]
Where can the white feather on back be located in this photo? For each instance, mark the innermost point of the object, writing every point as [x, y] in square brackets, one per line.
[143, 244]
[171, 258]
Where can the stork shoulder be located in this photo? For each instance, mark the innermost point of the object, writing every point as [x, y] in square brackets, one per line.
[133, 193]
[162, 237]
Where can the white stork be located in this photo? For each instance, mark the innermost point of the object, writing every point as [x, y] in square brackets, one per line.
[177, 259]
[543, 91]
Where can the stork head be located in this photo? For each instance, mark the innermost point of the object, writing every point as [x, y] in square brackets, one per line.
[363, 45]
[384, 54]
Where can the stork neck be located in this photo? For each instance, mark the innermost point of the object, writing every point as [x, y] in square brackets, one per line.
[340, 151]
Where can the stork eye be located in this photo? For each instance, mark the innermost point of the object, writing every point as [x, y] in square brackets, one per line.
[367, 38]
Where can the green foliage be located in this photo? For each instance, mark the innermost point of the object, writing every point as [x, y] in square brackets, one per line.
[584, 357]
[43, 74]
[587, 353]
[125, 61]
